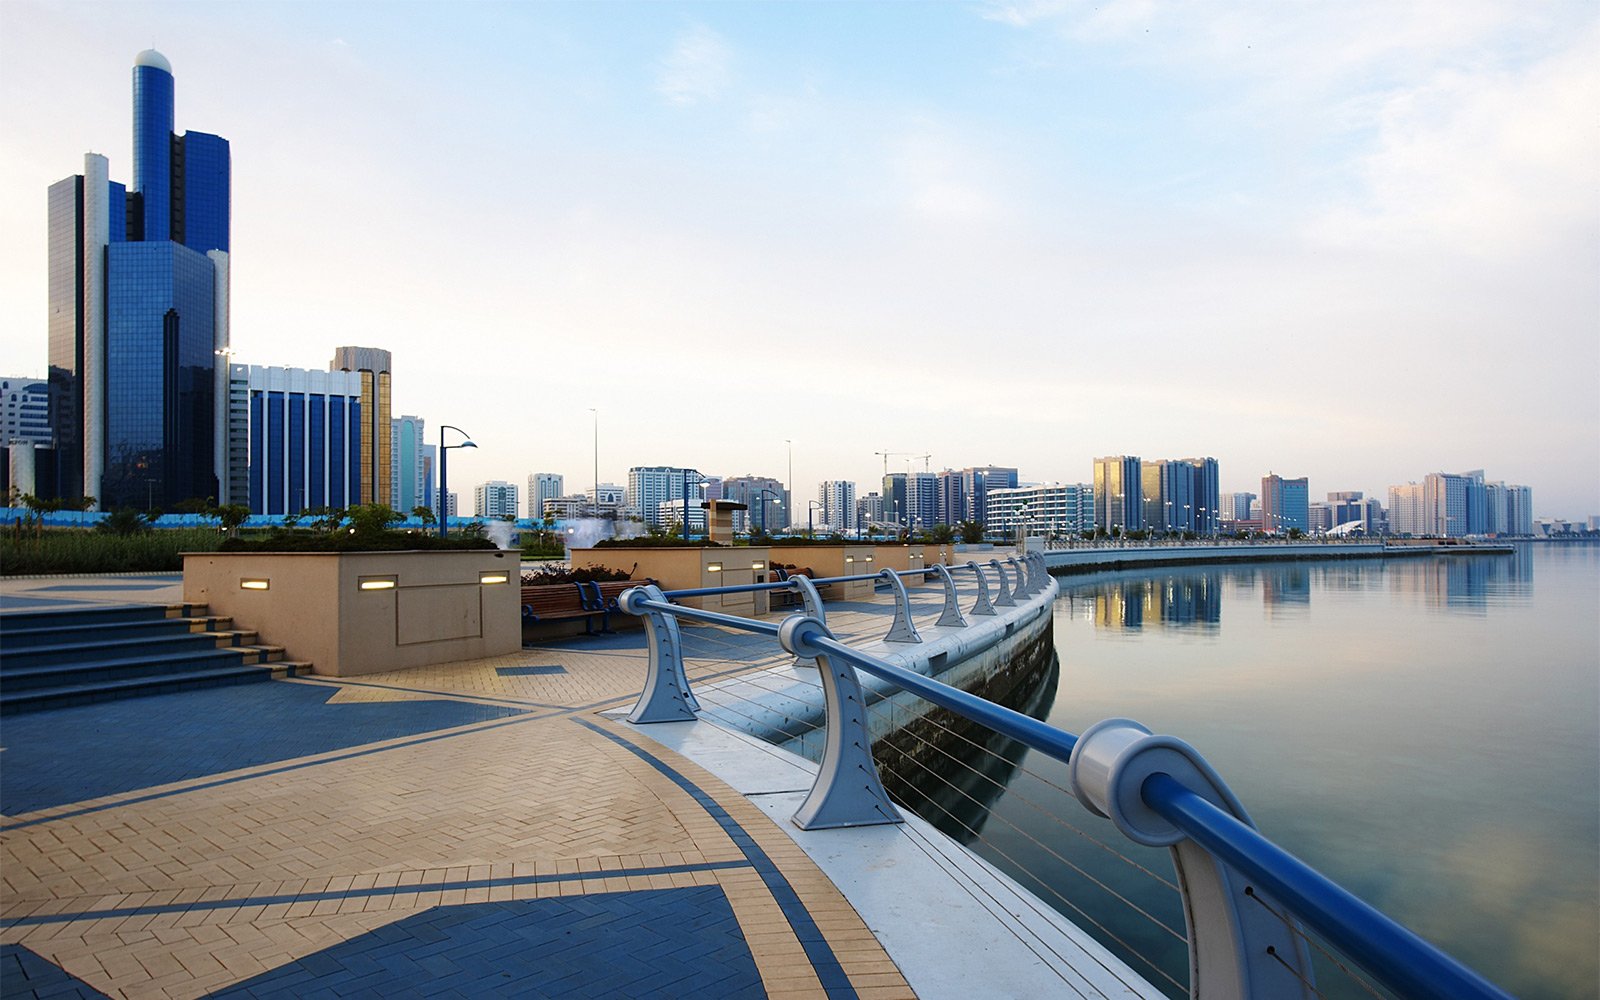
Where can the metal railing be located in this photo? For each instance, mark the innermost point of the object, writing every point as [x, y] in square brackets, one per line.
[1244, 898]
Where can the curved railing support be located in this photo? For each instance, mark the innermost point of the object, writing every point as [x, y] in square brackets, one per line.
[1023, 587]
[981, 606]
[1004, 600]
[902, 630]
[1238, 947]
[812, 602]
[951, 616]
[848, 791]
[1044, 570]
[666, 696]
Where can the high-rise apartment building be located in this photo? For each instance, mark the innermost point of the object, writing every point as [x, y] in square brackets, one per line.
[1519, 510]
[869, 510]
[543, 486]
[301, 434]
[838, 499]
[496, 498]
[1118, 493]
[766, 499]
[963, 494]
[1237, 506]
[373, 365]
[650, 486]
[407, 488]
[24, 410]
[1052, 509]
[1407, 514]
[138, 313]
[1285, 504]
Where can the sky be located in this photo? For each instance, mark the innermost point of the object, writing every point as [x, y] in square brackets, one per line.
[1354, 241]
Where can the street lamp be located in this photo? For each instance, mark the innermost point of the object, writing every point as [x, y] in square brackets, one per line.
[595, 498]
[703, 484]
[444, 479]
[762, 499]
[811, 506]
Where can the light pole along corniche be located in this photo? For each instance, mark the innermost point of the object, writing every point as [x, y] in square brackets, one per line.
[444, 479]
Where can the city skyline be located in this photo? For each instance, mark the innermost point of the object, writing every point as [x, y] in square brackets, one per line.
[1356, 243]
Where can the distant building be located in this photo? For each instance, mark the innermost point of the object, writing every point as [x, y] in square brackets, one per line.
[373, 366]
[1052, 509]
[1180, 495]
[300, 430]
[562, 508]
[543, 486]
[963, 494]
[1285, 504]
[407, 489]
[838, 498]
[1118, 493]
[1519, 510]
[138, 313]
[766, 498]
[24, 410]
[496, 498]
[1237, 506]
[650, 486]
[608, 499]
[1406, 511]
[869, 509]
[670, 514]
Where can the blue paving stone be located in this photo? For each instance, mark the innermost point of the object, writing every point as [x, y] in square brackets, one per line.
[565, 947]
[26, 976]
[529, 671]
[87, 751]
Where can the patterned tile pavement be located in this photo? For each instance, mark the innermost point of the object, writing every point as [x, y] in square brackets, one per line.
[475, 828]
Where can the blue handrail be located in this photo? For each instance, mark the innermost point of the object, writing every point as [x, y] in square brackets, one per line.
[1391, 953]
[1404, 961]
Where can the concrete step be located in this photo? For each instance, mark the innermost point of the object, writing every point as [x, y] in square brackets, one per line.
[21, 679]
[153, 647]
[64, 695]
[98, 615]
[16, 639]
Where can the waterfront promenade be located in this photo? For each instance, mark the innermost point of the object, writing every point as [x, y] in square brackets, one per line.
[480, 828]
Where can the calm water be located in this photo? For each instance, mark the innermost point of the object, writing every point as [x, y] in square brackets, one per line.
[1426, 732]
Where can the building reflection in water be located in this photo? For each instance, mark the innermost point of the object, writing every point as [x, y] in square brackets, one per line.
[1192, 598]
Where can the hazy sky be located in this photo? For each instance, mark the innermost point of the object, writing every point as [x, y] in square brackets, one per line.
[1358, 241]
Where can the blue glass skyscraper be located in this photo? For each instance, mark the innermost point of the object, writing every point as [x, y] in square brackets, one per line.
[139, 313]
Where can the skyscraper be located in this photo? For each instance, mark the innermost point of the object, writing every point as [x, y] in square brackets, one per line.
[1285, 504]
[1118, 493]
[373, 364]
[543, 486]
[138, 313]
[495, 498]
[838, 497]
[406, 467]
[304, 438]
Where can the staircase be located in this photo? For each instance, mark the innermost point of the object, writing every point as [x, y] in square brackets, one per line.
[49, 659]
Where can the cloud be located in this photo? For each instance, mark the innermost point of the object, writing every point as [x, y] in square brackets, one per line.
[1489, 162]
[697, 69]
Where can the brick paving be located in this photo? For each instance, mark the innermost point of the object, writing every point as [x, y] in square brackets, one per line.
[471, 829]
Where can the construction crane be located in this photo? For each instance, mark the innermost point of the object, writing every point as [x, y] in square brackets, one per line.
[910, 456]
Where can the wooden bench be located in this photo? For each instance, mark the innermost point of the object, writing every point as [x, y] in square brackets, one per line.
[601, 596]
[557, 602]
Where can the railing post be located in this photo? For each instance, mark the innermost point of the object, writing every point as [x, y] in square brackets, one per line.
[1023, 587]
[981, 606]
[1004, 600]
[951, 616]
[902, 630]
[1044, 570]
[848, 791]
[812, 602]
[666, 696]
[1241, 942]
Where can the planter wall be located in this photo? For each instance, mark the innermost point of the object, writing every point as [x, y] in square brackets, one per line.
[691, 568]
[352, 613]
[833, 560]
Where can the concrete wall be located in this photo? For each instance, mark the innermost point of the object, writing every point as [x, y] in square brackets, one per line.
[833, 560]
[689, 568]
[438, 610]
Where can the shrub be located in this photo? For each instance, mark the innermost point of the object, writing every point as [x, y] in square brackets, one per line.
[83, 550]
[551, 575]
[656, 542]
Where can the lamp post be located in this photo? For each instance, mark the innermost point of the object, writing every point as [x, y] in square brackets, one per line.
[811, 506]
[444, 478]
[761, 498]
[595, 497]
